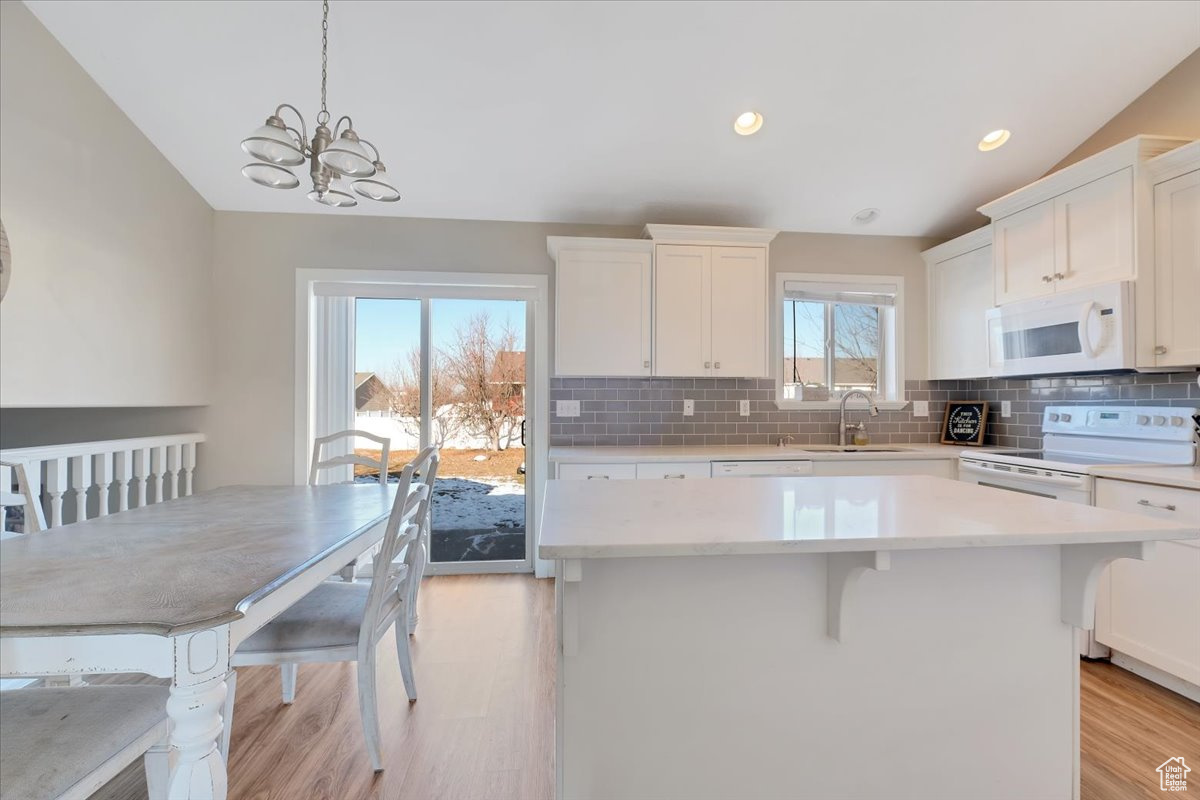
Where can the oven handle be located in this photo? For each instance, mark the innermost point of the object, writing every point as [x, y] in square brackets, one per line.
[1077, 481]
[1085, 315]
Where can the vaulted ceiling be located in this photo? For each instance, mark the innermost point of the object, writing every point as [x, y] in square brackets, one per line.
[622, 112]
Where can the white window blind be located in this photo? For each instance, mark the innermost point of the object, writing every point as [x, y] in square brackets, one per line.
[864, 295]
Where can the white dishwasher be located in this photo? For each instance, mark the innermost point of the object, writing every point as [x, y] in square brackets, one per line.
[746, 469]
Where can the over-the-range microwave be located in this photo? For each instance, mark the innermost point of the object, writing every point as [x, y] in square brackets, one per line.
[1084, 330]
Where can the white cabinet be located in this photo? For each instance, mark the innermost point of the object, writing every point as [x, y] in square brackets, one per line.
[596, 472]
[960, 293]
[1177, 271]
[1080, 238]
[710, 311]
[939, 468]
[602, 315]
[1093, 232]
[673, 470]
[1024, 253]
[1150, 610]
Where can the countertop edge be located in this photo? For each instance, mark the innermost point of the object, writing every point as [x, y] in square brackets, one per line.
[915, 451]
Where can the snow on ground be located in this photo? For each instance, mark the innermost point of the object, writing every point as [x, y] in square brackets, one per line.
[466, 504]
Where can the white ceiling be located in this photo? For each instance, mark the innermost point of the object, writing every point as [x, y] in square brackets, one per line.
[622, 112]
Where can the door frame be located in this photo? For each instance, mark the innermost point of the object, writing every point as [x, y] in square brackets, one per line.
[425, 286]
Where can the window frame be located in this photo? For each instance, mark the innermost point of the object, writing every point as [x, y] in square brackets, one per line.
[891, 342]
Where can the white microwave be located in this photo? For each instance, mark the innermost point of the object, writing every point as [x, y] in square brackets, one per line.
[1085, 330]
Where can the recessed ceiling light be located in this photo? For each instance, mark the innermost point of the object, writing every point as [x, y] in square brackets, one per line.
[866, 216]
[748, 122]
[994, 140]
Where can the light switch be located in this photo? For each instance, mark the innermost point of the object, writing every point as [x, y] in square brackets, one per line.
[920, 408]
[744, 408]
[566, 408]
[689, 408]
[1006, 408]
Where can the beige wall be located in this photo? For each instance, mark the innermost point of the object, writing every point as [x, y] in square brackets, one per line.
[109, 302]
[256, 256]
[1171, 107]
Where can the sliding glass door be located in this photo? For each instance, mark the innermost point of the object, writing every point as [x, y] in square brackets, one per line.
[451, 371]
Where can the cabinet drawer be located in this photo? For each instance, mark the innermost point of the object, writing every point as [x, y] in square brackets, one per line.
[676, 469]
[1161, 502]
[591, 472]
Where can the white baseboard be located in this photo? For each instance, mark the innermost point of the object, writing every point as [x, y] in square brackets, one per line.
[1164, 679]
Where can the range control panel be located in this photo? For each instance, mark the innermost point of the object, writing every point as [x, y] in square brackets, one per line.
[1126, 422]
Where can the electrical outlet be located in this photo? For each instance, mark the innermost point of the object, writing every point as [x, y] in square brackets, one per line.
[689, 408]
[566, 408]
[920, 408]
[744, 408]
[1006, 408]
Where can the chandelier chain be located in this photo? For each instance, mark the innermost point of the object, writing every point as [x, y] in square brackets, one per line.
[324, 51]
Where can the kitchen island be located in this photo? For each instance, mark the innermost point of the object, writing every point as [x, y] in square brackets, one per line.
[846, 637]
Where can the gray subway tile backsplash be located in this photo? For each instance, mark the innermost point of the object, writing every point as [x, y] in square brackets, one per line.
[649, 411]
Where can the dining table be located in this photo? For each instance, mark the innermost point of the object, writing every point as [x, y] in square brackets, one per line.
[171, 589]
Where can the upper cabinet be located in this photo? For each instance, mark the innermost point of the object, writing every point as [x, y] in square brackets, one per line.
[1173, 340]
[686, 301]
[959, 277]
[1086, 224]
[711, 300]
[602, 314]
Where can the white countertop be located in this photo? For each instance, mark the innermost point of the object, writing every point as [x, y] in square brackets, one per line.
[733, 452]
[1181, 477]
[736, 516]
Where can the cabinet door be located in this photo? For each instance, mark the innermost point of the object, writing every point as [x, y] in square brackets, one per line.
[681, 310]
[1093, 235]
[1024, 253]
[1150, 608]
[961, 292]
[738, 323]
[1177, 271]
[602, 314]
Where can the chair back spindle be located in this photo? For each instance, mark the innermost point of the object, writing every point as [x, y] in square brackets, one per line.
[321, 461]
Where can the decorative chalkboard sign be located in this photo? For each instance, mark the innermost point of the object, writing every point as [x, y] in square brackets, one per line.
[965, 423]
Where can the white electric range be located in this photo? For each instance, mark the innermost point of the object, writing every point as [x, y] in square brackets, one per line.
[1076, 440]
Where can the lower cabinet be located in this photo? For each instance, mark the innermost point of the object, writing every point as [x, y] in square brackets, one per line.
[654, 470]
[1150, 610]
[940, 468]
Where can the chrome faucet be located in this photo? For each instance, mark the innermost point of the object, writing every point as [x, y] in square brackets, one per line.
[874, 410]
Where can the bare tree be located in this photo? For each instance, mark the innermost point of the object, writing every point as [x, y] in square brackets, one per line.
[488, 375]
[855, 341]
[403, 385]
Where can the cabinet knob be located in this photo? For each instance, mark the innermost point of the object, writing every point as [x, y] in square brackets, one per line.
[1046, 279]
[716, 365]
[708, 365]
[1160, 350]
[1058, 276]
[646, 364]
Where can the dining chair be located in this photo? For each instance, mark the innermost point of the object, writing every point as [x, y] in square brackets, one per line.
[64, 744]
[322, 461]
[33, 517]
[345, 621]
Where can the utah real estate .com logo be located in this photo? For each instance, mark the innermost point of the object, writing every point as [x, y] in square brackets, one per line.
[1172, 775]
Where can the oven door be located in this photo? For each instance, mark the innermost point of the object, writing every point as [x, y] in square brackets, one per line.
[1087, 330]
[1066, 486]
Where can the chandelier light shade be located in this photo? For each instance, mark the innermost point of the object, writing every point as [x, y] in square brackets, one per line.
[333, 155]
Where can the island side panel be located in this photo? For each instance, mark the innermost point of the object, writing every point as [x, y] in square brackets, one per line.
[714, 677]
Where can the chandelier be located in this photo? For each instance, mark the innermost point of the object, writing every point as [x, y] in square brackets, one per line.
[334, 157]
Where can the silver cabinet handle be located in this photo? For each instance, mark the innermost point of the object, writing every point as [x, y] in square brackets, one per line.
[1160, 350]
[646, 364]
[597, 477]
[1046, 279]
[675, 477]
[1058, 276]
[717, 364]
[708, 365]
[1164, 506]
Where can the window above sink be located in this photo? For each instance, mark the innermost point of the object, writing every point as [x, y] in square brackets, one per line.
[838, 333]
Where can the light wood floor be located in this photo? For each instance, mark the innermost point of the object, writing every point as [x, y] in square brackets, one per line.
[483, 728]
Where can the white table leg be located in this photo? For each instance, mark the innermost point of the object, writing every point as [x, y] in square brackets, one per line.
[195, 711]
